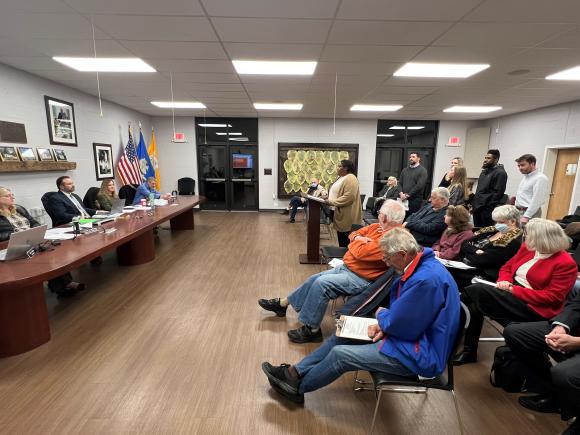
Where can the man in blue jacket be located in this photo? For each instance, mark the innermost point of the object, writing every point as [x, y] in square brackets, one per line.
[147, 188]
[415, 336]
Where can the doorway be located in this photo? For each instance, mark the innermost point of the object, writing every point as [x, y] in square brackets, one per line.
[565, 173]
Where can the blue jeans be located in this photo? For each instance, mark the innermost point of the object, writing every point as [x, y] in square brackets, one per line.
[311, 298]
[338, 355]
[295, 202]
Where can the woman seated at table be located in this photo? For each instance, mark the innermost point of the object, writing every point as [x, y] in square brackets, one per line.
[390, 191]
[491, 247]
[14, 218]
[106, 194]
[458, 230]
[531, 287]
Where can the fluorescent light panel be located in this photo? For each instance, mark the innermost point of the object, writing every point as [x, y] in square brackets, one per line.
[223, 133]
[215, 125]
[567, 74]
[472, 109]
[385, 135]
[402, 127]
[105, 64]
[375, 107]
[278, 106]
[179, 104]
[274, 68]
[441, 70]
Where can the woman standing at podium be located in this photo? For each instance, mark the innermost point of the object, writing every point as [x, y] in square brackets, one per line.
[14, 218]
[344, 199]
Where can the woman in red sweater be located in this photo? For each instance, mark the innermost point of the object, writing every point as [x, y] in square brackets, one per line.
[532, 286]
[458, 230]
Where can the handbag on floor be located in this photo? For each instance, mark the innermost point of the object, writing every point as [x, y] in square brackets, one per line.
[507, 371]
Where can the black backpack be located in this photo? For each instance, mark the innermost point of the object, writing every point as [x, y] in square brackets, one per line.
[507, 371]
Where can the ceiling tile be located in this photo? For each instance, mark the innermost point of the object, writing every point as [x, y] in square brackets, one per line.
[246, 51]
[17, 47]
[271, 8]
[80, 47]
[557, 58]
[175, 50]
[356, 68]
[142, 7]
[36, 6]
[156, 28]
[380, 32]
[33, 63]
[568, 39]
[50, 26]
[186, 65]
[489, 55]
[220, 87]
[533, 11]
[446, 10]
[500, 34]
[412, 90]
[271, 30]
[369, 53]
[205, 77]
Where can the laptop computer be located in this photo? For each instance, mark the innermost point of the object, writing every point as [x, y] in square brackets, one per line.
[117, 208]
[21, 242]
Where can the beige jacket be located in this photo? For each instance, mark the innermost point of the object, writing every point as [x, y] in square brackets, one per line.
[348, 209]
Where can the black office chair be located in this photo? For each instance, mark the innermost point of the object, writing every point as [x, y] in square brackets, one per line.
[330, 252]
[91, 197]
[127, 192]
[399, 384]
[46, 203]
[186, 186]
[362, 200]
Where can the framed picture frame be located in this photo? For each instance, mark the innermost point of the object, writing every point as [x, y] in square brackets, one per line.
[27, 154]
[8, 154]
[60, 116]
[103, 155]
[59, 155]
[45, 154]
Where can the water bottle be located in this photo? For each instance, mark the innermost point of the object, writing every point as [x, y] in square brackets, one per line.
[152, 201]
[76, 225]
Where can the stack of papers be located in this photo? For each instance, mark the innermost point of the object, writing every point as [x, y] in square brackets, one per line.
[59, 234]
[455, 264]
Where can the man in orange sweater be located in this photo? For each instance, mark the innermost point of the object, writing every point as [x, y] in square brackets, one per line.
[363, 263]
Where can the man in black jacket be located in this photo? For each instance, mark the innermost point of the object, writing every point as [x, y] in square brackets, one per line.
[66, 205]
[428, 223]
[559, 384]
[490, 189]
[413, 180]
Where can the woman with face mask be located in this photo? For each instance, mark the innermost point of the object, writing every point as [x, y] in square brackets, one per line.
[532, 286]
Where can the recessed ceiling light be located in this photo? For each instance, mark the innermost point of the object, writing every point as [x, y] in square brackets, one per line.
[274, 68]
[385, 135]
[441, 70]
[375, 108]
[472, 109]
[238, 139]
[105, 64]
[278, 106]
[179, 104]
[215, 125]
[567, 74]
[223, 133]
[402, 127]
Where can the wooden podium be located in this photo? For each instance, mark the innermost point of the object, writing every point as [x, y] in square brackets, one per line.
[312, 255]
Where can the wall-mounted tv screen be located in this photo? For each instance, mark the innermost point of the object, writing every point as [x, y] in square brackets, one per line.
[243, 161]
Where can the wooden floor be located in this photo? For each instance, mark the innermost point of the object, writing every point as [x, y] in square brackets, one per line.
[175, 346]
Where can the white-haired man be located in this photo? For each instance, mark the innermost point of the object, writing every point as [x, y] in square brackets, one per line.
[362, 265]
[428, 223]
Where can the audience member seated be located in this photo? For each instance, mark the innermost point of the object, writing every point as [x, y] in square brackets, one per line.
[573, 231]
[458, 231]
[66, 205]
[14, 218]
[414, 336]
[428, 223]
[362, 264]
[106, 194]
[556, 386]
[315, 189]
[458, 188]
[531, 287]
[491, 247]
[390, 191]
[146, 189]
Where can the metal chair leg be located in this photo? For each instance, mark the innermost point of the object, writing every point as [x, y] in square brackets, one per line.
[376, 410]
[457, 412]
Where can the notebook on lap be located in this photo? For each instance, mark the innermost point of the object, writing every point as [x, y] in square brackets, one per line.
[21, 242]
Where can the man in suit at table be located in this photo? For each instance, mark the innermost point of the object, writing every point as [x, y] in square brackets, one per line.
[66, 205]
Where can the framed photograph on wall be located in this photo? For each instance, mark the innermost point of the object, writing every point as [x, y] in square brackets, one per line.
[8, 154]
[27, 154]
[60, 116]
[45, 154]
[59, 155]
[103, 155]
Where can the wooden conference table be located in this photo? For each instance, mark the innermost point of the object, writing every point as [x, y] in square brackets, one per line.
[23, 312]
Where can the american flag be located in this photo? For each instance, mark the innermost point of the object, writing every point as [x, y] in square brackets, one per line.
[128, 166]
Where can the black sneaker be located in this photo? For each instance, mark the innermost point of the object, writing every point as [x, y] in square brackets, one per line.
[282, 382]
[273, 305]
[285, 211]
[305, 335]
[292, 220]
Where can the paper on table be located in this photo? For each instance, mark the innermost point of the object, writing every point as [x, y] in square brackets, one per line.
[455, 264]
[478, 280]
[58, 236]
[59, 230]
[355, 327]
[315, 198]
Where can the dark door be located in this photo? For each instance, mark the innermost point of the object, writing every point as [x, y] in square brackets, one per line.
[213, 175]
[243, 188]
